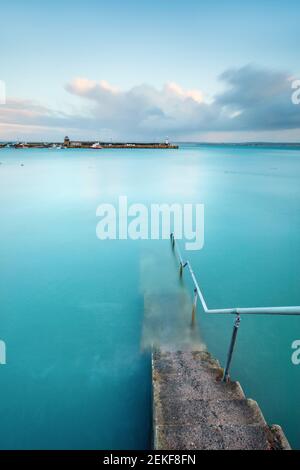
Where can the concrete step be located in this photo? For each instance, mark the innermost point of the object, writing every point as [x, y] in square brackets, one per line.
[208, 412]
[279, 440]
[203, 386]
[205, 437]
[194, 409]
[185, 362]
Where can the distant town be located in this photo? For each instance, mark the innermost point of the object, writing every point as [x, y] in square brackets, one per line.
[67, 143]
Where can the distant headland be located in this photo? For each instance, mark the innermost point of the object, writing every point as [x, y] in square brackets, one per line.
[67, 143]
[252, 144]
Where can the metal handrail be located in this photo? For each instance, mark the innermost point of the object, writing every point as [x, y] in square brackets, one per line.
[289, 311]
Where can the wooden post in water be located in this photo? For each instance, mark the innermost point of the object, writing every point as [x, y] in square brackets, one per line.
[172, 240]
[194, 307]
[180, 269]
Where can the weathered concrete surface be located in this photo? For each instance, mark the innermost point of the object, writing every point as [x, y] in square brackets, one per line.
[167, 323]
[194, 409]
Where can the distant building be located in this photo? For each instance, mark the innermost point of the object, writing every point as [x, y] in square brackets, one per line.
[67, 141]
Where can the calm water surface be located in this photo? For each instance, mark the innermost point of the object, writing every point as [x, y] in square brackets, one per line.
[72, 307]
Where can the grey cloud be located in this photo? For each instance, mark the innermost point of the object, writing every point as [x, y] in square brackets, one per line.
[261, 97]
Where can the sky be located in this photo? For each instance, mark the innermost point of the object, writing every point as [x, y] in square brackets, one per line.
[193, 70]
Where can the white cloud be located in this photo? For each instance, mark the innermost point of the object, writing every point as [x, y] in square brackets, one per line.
[86, 87]
[255, 100]
[195, 95]
[143, 111]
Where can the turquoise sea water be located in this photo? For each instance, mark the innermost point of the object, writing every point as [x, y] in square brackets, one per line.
[72, 307]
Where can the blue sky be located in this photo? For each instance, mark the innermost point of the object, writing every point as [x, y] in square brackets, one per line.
[45, 46]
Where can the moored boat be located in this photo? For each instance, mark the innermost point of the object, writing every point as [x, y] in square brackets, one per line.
[96, 145]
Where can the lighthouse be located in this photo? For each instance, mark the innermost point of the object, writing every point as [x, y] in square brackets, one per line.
[67, 141]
